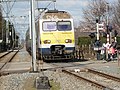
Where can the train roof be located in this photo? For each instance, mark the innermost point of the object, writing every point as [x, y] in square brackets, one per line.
[54, 11]
[56, 14]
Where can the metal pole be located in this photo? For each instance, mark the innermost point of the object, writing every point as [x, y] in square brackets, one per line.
[15, 40]
[7, 34]
[30, 34]
[2, 31]
[12, 36]
[98, 52]
[107, 32]
[30, 25]
[7, 26]
[97, 31]
[110, 36]
[33, 33]
[115, 39]
[107, 7]
[2, 35]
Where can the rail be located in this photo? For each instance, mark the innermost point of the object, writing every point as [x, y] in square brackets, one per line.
[92, 82]
[104, 75]
[5, 54]
[10, 59]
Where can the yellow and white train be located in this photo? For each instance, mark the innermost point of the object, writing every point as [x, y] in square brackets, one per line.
[55, 35]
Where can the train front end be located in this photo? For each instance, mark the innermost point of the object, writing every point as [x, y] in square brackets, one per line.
[56, 36]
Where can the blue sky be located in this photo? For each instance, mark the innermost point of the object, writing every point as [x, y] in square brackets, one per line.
[74, 7]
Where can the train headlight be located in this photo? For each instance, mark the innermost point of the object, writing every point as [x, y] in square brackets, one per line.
[47, 41]
[68, 41]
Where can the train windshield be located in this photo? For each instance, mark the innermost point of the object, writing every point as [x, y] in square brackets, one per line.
[64, 25]
[49, 26]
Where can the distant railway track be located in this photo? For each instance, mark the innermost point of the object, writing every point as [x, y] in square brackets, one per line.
[5, 54]
[7, 61]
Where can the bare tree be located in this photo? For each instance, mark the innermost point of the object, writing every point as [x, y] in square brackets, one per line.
[116, 17]
[95, 9]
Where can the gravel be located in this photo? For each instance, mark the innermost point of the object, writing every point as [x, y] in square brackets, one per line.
[102, 80]
[112, 70]
[67, 82]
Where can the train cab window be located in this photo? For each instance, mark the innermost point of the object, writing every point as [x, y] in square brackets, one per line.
[49, 26]
[64, 25]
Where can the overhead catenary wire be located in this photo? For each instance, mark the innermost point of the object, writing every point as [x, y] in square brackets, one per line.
[8, 7]
[8, 10]
[12, 18]
[12, 6]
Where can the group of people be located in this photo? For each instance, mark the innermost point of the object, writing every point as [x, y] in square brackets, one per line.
[110, 49]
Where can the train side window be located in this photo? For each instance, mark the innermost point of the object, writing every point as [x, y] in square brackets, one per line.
[64, 25]
[49, 26]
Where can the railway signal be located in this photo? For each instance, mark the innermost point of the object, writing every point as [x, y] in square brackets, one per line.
[101, 26]
[110, 33]
[97, 24]
[110, 28]
[92, 35]
[115, 34]
[97, 43]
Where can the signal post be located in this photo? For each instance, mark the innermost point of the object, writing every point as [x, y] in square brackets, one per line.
[98, 45]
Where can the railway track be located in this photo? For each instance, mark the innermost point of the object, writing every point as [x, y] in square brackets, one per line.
[93, 83]
[103, 74]
[7, 61]
[101, 80]
[96, 83]
[5, 54]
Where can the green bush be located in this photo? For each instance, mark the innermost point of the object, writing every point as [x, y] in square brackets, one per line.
[103, 39]
[118, 40]
[84, 41]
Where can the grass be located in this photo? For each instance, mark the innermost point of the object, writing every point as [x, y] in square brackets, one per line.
[54, 85]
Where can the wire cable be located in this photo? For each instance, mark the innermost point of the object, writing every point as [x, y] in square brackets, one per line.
[12, 6]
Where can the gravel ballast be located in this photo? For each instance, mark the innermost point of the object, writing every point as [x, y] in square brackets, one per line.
[19, 81]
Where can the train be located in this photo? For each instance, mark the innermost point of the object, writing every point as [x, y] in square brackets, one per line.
[55, 36]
